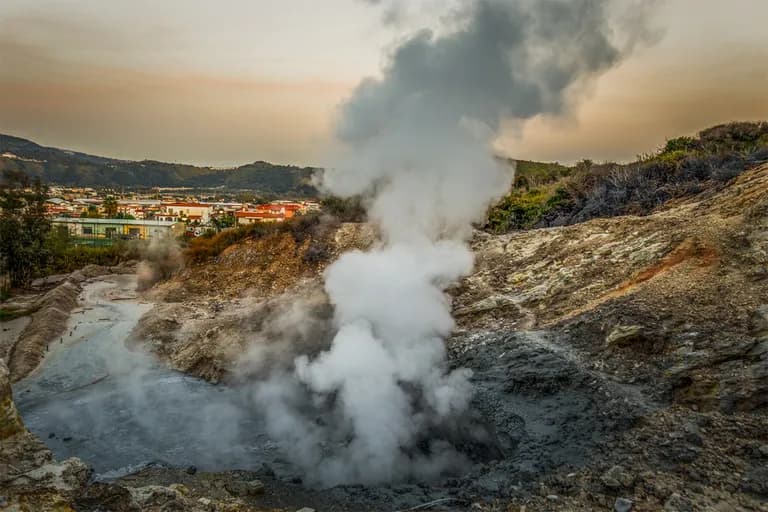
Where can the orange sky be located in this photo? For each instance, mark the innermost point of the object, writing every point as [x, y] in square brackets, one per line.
[234, 81]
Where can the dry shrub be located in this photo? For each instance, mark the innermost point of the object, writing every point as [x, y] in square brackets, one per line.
[312, 227]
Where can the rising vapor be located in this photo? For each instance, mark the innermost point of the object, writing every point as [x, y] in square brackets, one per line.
[418, 146]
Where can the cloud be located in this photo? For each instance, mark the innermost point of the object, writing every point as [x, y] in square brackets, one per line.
[637, 106]
[171, 116]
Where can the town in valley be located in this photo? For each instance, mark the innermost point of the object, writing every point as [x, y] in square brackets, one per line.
[94, 217]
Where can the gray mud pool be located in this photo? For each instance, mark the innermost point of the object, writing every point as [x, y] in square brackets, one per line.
[118, 409]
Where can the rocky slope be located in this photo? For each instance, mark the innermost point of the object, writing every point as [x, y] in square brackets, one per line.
[29, 477]
[209, 313]
[678, 297]
[623, 362]
[674, 305]
[667, 314]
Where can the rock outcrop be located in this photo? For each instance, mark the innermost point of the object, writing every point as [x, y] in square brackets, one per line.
[677, 296]
[210, 313]
[29, 477]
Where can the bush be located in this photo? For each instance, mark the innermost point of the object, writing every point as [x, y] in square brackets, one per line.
[345, 209]
[65, 259]
[739, 137]
[203, 248]
[685, 166]
[523, 209]
[301, 228]
[680, 144]
[535, 174]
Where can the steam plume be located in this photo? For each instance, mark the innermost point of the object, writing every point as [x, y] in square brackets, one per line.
[160, 259]
[419, 146]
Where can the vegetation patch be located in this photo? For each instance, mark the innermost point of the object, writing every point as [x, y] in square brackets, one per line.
[522, 209]
[530, 174]
[311, 227]
[212, 245]
[6, 315]
[685, 166]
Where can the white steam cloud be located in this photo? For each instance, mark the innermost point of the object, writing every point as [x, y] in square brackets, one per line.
[419, 139]
[160, 259]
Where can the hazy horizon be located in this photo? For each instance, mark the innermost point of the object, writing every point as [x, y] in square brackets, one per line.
[223, 84]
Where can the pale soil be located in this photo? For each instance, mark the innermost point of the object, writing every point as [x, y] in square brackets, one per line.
[9, 334]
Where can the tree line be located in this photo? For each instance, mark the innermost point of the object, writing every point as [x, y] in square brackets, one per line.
[24, 229]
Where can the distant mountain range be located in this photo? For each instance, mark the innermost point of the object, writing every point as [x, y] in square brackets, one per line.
[71, 168]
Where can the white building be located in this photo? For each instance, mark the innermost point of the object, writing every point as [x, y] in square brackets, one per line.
[191, 211]
[111, 229]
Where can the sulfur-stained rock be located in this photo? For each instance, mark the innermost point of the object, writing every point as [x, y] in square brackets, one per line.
[68, 476]
[623, 335]
[10, 421]
[112, 497]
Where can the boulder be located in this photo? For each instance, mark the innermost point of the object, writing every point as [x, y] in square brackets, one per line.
[759, 321]
[164, 498]
[67, 477]
[622, 505]
[755, 481]
[43, 283]
[100, 495]
[678, 503]
[244, 488]
[617, 477]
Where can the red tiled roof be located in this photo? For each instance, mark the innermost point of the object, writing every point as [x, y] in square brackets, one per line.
[259, 215]
[278, 206]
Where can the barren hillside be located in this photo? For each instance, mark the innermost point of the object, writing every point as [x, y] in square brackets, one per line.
[667, 311]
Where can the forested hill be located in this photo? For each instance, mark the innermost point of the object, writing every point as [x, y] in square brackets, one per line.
[71, 168]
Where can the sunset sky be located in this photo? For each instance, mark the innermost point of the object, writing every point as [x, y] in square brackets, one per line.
[233, 81]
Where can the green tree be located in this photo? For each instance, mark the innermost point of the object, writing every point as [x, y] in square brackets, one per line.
[92, 212]
[110, 207]
[223, 221]
[345, 209]
[24, 228]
